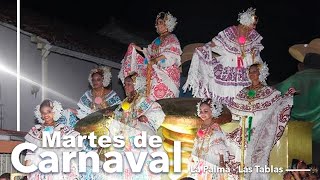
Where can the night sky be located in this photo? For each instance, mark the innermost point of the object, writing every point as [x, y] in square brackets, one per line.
[281, 23]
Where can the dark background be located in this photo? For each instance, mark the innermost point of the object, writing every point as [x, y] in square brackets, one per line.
[281, 23]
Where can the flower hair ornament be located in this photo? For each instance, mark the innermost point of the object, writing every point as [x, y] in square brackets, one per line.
[56, 109]
[106, 71]
[216, 107]
[263, 72]
[248, 17]
[170, 20]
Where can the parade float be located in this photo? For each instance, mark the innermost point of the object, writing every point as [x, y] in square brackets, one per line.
[181, 124]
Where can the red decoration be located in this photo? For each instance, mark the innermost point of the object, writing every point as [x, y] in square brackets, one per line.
[200, 133]
[242, 40]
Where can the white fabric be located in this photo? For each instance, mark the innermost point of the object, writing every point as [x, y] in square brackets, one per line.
[142, 106]
[270, 113]
[221, 77]
[165, 78]
[34, 137]
[210, 148]
[85, 109]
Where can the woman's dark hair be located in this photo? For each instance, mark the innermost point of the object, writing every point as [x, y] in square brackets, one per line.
[207, 102]
[161, 15]
[46, 103]
[254, 65]
[99, 71]
[132, 76]
[296, 164]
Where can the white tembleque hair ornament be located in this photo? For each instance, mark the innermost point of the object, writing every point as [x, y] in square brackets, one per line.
[216, 107]
[170, 20]
[106, 75]
[56, 108]
[248, 17]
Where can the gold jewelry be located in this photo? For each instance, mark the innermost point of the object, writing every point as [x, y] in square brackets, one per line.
[126, 119]
[208, 133]
[164, 35]
[252, 93]
[255, 87]
[52, 124]
[99, 92]
[131, 98]
[244, 29]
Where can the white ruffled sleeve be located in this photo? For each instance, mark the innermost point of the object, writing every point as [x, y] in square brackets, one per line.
[219, 41]
[257, 48]
[84, 106]
[218, 145]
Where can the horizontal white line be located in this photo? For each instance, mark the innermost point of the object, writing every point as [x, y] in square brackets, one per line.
[298, 170]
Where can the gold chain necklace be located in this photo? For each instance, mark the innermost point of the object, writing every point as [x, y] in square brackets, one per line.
[252, 93]
[205, 140]
[99, 92]
[242, 39]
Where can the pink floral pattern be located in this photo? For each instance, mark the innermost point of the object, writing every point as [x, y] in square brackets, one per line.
[165, 78]
[160, 91]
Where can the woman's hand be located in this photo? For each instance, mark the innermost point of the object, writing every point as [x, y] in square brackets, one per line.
[160, 58]
[143, 118]
[191, 159]
[253, 54]
[296, 175]
[212, 44]
[138, 48]
[221, 161]
[154, 61]
[74, 111]
[108, 113]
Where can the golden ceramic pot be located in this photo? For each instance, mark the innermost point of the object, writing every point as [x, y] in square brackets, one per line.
[180, 124]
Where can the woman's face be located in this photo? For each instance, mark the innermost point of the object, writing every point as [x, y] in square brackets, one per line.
[302, 173]
[205, 114]
[47, 114]
[97, 80]
[161, 26]
[254, 74]
[254, 24]
[128, 86]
